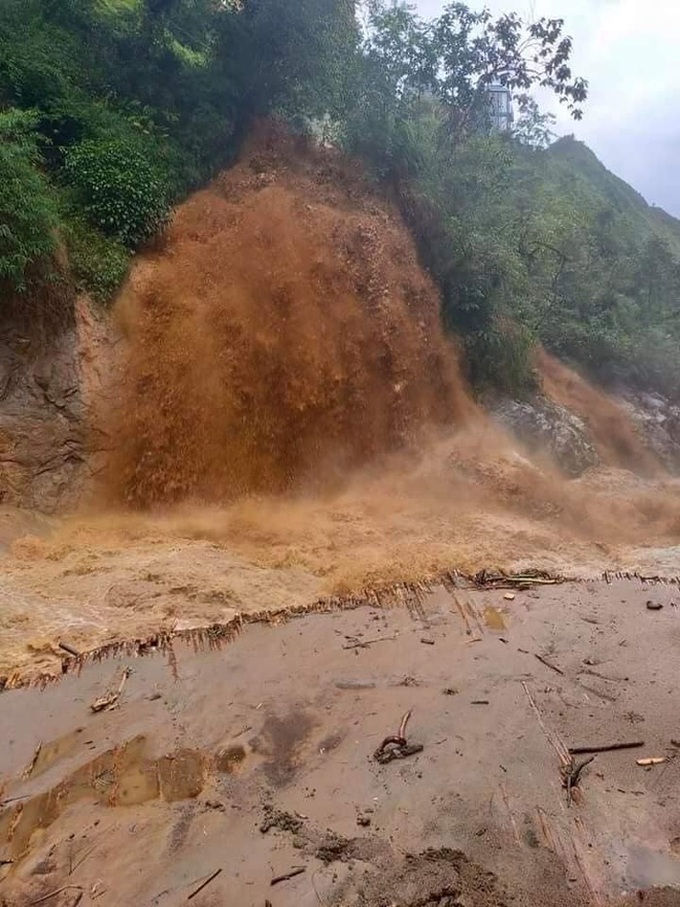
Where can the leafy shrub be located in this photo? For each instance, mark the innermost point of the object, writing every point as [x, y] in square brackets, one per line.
[121, 189]
[28, 214]
[99, 264]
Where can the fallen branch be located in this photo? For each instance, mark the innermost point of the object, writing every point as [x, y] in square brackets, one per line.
[605, 748]
[651, 760]
[204, 884]
[288, 875]
[549, 664]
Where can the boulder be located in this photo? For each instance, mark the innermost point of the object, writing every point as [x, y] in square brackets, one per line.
[545, 427]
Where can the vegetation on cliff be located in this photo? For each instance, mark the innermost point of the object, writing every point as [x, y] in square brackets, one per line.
[113, 110]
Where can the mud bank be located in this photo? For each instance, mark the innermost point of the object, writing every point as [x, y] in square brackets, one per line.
[258, 759]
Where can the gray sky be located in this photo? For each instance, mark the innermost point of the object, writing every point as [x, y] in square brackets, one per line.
[629, 51]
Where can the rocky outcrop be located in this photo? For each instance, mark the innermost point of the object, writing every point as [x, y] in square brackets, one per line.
[46, 389]
[658, 420]
[545, 427]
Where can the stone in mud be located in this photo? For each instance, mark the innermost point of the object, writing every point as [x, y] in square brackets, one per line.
[544, 426]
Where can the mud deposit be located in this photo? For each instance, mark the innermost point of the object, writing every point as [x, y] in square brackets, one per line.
[256, 760]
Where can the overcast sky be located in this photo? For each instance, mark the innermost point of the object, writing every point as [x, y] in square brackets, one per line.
[629, 50]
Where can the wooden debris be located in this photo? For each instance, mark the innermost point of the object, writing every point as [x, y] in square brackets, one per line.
[551, 736]
[109, 700]
[53, 894]
[651, 760]
[654, 606]
[298, 870]
[571, 775]
[509, 596]
[365, 643]
[605, 747]
[549, 664]
[675, 742]
[67, 648]
[204, 884]
[29, 770]
[404, 722]
[426, 641]
[397, 747]
[480, 702]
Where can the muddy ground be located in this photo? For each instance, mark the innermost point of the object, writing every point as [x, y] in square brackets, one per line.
[256, 759]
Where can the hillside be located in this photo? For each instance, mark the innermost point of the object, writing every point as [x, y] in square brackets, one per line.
[648, 219]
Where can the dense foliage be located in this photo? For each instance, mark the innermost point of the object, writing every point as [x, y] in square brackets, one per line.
[112, 110]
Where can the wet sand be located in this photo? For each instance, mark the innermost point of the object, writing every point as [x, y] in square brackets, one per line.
[257, 758]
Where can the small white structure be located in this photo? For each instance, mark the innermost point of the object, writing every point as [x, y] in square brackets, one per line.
[500, 108]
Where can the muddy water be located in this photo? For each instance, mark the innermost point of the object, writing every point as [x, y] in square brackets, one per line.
[282, 724]
[286, 421]
[466, 504]
[285, 335]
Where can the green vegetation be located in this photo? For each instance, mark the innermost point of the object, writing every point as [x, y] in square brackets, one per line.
[113, 110]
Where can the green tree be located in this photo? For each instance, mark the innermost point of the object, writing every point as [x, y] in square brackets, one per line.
[28, 213]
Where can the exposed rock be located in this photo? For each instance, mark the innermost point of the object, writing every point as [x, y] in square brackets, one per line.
[544, 426]
[658, 420]
[45, 393]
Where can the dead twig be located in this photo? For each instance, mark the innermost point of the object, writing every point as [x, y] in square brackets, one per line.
[553, 739]
[54, 893]
[365, 643]
[14, 800]
[80, 862]
[605, 747]
[402, 726]
[32, 763]
[549, 664]
[298, 870]
[204, 884]
[571, 775]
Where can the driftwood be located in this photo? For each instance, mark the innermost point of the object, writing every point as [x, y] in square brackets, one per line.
[605, 747]
[204, 884]
[298, 870]
[549, 664]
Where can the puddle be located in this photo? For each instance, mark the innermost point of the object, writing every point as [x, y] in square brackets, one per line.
[494, 619]
[123, 776]
[54, 751]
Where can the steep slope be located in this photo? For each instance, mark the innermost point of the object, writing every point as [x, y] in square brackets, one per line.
[578, 160]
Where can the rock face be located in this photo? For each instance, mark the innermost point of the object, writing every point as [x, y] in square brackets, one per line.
[45, 392]
[658, 421]
[544, 426]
